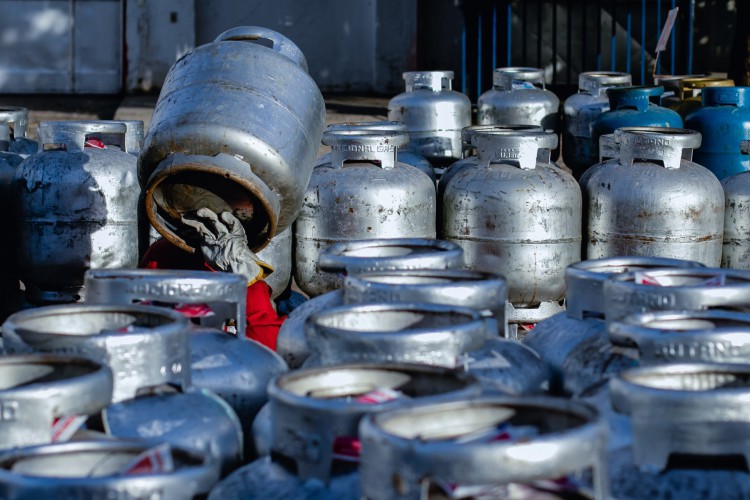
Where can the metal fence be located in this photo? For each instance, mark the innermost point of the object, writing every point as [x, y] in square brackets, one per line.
[566, 37]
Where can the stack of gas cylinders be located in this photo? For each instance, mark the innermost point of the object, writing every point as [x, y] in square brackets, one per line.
[551, 303]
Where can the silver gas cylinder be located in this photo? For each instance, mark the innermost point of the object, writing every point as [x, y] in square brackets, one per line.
[531, 233]
[148, 352]
[482, 291]
[237, 123]
[312, 426]
[518, 97]
[736, 250]
[433, 113]
[495, 447]
[354, 257]
[675, 289]
[234, 367]
[76, 208]
[684, 336]
[574, 343]
[364, 193]
[404, 154]
[690, 432]
[112, 469]
[580, 109]
[278, 254]
[427, 334]
[653, 200]
[43, 398]
[17, 120]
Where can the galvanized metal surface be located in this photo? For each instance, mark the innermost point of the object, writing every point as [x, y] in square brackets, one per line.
[653, 201]
[574, 344]
[278, 254]
[364, 193]
[442, 442]
[403, 155]
[518, 97]
[684, 336]
[39, 389]
[433, 113]
[203, 111]
[736, 248]
[227, 292]
[579, 110]
[690, 408]
[147, 349]
[17, 119]
[235, 368]
[531, 232]
[680, 289]
[76, 209]
[94, 469]
[312, 424]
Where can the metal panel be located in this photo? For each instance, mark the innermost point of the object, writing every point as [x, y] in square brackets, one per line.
[51, 46]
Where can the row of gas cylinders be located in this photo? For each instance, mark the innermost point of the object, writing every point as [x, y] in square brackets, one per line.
[408, 389]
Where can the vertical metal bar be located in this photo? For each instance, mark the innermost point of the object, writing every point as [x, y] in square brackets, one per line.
[463, 58]
[554, 41]
[510, 39]
[674, 40]
[629, 37]
[539, 34]
[599, 35]
[479, 55]
[524, 33]
[691, 16]
[583, 32]
[613, 47]
[643, 42]
[494, 36]
[658, 32]
[569, 50]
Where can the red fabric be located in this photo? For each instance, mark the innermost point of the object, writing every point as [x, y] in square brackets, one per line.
[262, 322]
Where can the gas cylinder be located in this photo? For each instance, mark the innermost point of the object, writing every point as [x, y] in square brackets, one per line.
[76, 208]
[236, 128]
[312, 426]
[518, 97]
[492, 447]
[354, 257]
[234, 367]
[482, 291]
[580, 109]
[45, 398]
[403, 155]
[17, 120]
[147, 349]
[433, 113]
[662, 337]
[421, 333]
[654, 201]
[723, 122]
[574, 344]
[690, 432]
[688, 96]
[736, 250]
[631, 107]
[11, 296]
[675, 289]
[125, 469]
[531, 233]
[278, 255]
[364, 193]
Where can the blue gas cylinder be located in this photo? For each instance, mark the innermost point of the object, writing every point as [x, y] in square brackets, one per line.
[631, 107]
[723, 121]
